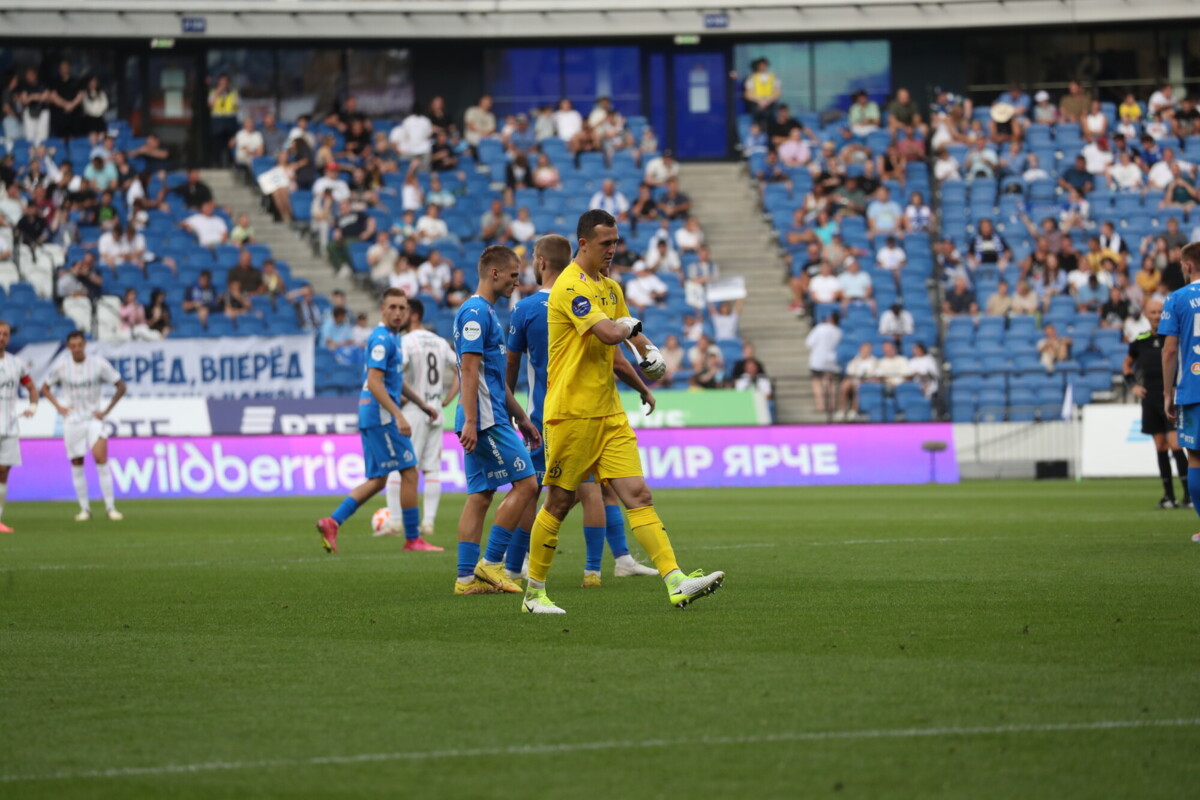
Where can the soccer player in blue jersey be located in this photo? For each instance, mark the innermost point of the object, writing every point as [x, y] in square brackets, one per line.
[1180, 329]
[602, 516]
[384, 430]
[494, 453]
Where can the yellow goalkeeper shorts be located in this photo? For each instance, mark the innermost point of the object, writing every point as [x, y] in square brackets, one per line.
[602, 447]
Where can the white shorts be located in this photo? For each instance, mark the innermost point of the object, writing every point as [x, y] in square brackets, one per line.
[426, 440]
[81, 437]
[10, 451]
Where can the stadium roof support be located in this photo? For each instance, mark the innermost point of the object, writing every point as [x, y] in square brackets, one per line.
[465, 19]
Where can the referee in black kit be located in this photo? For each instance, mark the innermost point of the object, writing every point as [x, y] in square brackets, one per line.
[1143, 374]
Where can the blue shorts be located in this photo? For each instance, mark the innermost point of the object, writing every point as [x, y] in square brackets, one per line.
[385, 450]
[499, 458]
[1189, 426]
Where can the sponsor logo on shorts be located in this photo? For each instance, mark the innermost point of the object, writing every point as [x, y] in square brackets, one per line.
[581, 307]
[519, 464]
[555, 471]
[500, 474]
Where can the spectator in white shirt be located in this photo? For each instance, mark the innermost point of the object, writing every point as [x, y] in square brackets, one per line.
[1161, 174]
[434, 275]
[923, 369]
[413, 138]
[1033, 169]
[824, 286]
[610, 200]
[412, 196]
[725, 318]
[663, 259]
[1163, 98]
[431, 226]
[753, 378]
[646, 289]
[567, 121]
[892, 258]
[404, 277]
[918, 216]
[247, 145]
[1098, 156]
[331, 180]
[381, 258]
[856, 285]
[689, 238]
[1125, 175]
[946, 167]
[860, 370]
[893, 368]
[661, 169]
[209, 229]
[896, 322]
[702, 270]
[822, 342]
[523, 229]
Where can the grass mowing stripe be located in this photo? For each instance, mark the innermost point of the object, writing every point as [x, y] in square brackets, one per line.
[575, 747]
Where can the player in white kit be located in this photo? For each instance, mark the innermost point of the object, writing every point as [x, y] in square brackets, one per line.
[13, 373]
[428, 358]
[81, 379]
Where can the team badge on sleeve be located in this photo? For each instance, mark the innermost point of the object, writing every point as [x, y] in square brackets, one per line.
[472, 331]
[378, 352]
[581, 307]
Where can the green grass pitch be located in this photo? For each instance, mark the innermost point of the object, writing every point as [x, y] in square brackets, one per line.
[983, 640]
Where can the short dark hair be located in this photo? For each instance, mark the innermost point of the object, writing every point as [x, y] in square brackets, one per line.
[392, 292]
[75, 334]
[1191, 254]
[494, 257]
[555, 249]
[590, 220]
[416, 309]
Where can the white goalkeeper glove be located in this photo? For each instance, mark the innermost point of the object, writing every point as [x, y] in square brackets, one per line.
[653, 365]
[634, 324]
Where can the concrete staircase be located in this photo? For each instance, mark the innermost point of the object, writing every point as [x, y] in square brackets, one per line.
[233, 193]
[741, 242]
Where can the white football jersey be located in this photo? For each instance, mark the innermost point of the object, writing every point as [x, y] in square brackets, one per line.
[428, 358]
[12, 371]
[81, 384]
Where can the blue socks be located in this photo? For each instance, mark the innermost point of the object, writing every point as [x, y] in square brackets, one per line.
[412, 523]
[518, 548]
[1193, 480]
[614, 522]
[345, 510]
[593, 538]
[468, 557]
[497, 544]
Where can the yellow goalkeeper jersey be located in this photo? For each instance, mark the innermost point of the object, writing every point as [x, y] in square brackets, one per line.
[579, 375]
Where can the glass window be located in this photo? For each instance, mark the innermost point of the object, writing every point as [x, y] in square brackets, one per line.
[381, 79]
[613, 72]
[252, 73]
[309, 82]
[993, 60]
[1127, 61]
[792, 64]
[842, 68]
[521, 78]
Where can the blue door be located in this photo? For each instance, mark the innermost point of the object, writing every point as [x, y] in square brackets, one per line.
[700, 105]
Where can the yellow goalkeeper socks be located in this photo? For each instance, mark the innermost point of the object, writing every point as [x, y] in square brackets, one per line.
[649, 530]
[543, 540]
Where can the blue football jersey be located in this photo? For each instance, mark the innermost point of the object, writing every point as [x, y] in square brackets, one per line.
[382, 352]
[477, 330]
[528, 333]
[1181, 318]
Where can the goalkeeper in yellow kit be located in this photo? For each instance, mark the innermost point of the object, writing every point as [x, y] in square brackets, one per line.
[585, 428]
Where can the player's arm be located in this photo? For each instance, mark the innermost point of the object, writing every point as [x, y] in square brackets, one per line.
[411, 396]
[448, 366]
[469, 365]
[1170, 357]
[527, 428]
[512, 370]
[630, 377]
[116, 398]
[30, 387]
[46, 393]
[378, 390]
[1127, 370]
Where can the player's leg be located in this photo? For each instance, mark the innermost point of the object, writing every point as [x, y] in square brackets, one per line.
[518, 548]
[508, 461]
[1181, 466]
[570, 445]
[378, 462]
[4, 470]
[430, 456]
[1164, 471]
[543, 542]
[593, 532]
[470, 532]
[621, 464]
[75, 440]
[625, 565]
[1189, 436]
[392, 494]
[410, 514]
[103, 471]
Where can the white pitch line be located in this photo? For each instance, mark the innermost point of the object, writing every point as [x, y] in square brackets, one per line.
[578, 747]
